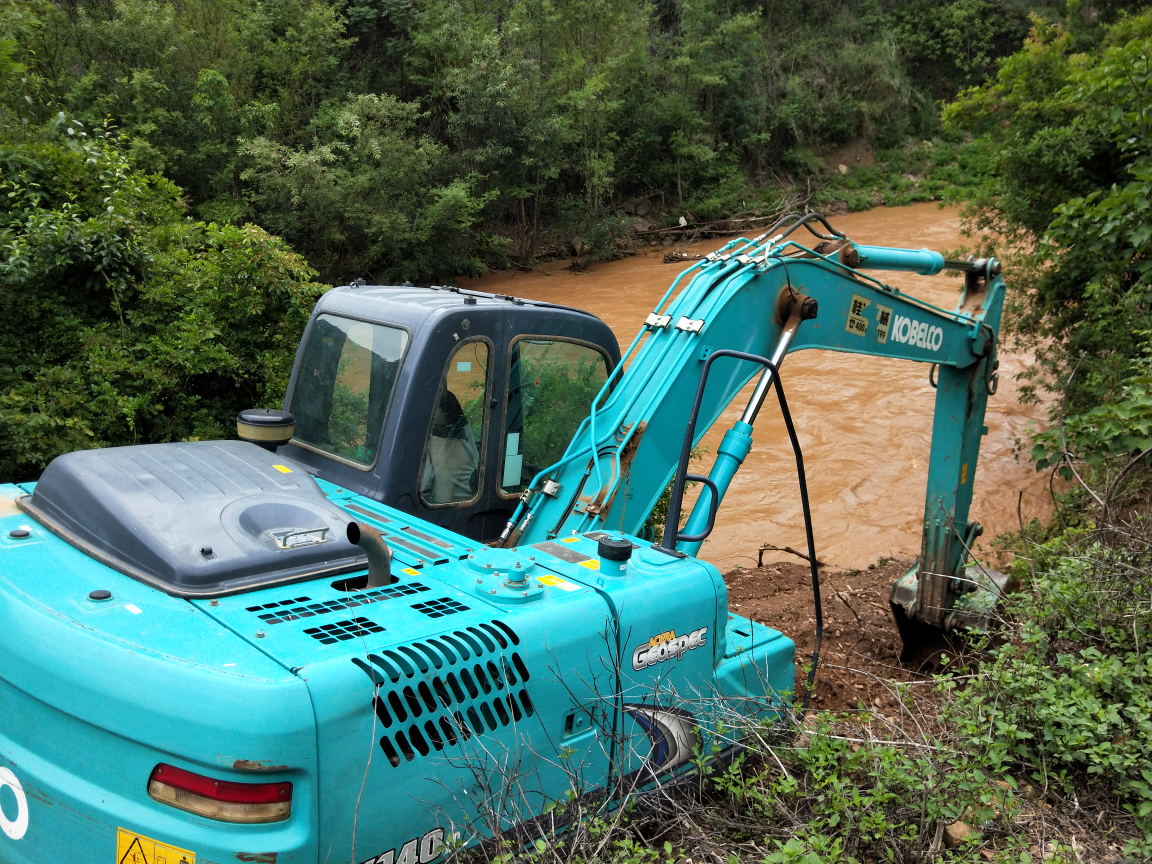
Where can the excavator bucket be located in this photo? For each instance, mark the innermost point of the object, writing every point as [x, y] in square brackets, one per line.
[969, 603]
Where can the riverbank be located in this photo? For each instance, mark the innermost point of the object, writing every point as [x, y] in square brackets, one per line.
[851, 178]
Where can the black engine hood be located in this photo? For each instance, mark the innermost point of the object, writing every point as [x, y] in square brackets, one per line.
[195, 519]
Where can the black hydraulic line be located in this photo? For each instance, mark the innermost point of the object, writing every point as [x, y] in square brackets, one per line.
[724, 273]
[672, 523]
[807, 218]
[571, 503]
[991, 363]
[779, 222]
[799, 219]
[819, 636]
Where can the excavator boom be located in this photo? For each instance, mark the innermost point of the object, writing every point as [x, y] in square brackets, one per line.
[771, 296]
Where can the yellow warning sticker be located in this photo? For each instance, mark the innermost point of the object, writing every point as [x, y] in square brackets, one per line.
[883, 322]
[570, 540]
[591, 564]
[283, 469]
[857, 323]
[410, 571]
[557, 582]
[133, 848]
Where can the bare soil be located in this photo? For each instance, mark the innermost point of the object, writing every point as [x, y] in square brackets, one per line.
[854, 154]
[858, 659]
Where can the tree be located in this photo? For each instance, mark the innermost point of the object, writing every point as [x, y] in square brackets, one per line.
[1069, 119]
[125, 321]
[370, 197]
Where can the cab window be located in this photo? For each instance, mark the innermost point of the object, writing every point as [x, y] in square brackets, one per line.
[451, 468]
[347, 374]
[551, 385]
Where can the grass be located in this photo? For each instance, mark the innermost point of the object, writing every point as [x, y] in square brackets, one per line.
[920, 171]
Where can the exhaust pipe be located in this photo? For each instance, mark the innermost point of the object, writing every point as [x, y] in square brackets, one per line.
[379, 555]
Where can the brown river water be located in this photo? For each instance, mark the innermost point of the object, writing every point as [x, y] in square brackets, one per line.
[864, 423]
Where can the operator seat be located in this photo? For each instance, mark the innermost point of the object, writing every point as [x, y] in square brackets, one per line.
[452, 459]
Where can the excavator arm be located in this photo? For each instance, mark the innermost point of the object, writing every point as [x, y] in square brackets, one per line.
[769, 297]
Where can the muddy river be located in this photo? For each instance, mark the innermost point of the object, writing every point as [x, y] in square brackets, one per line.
[864, 423]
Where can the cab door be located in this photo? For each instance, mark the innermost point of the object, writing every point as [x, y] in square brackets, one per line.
[551, 382]
[517, 383]
[453, 481]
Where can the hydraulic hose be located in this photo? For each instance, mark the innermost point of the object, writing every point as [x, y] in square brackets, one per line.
[671, 529]
[819, 636]
[713, 279]
[700, 290]
[571, 455]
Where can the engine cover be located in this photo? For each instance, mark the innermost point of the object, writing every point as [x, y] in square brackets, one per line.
[195, 519]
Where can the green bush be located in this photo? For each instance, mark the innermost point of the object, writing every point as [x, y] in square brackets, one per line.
[1066, 124]
[1068, 697]
[125, 321]
[857, 802]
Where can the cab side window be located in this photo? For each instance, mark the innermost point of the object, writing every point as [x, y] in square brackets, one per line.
[450, 471]
[551, 385]
[344, 387]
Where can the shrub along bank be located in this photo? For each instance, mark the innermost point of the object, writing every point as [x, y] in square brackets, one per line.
[125, 321]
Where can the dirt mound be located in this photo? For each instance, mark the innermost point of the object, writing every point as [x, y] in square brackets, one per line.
[853, 154]
[858, 662]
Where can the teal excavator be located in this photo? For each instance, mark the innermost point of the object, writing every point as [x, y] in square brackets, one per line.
[417, 608]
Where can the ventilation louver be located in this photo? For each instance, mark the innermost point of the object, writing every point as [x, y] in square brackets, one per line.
[342, 631]
[440, 607]
[446, 689]
[351, 601]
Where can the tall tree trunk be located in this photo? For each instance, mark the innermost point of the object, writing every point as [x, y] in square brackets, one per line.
[535, 216]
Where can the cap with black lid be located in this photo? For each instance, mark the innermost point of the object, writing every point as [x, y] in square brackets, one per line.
[614, 553]
[268, 427]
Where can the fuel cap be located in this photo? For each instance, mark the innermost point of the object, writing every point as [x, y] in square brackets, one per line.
[614, 553]
[614, 548]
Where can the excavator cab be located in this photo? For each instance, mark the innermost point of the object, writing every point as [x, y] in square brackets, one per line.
[440, 402]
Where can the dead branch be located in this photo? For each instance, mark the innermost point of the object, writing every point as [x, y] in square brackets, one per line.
[768, 547]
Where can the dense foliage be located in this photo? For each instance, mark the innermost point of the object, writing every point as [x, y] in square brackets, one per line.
[416, 139]
[391, 140]
[125, 321]
[1068, 695]
[1068, 125]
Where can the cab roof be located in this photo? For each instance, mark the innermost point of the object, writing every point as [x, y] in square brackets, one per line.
[409, 305]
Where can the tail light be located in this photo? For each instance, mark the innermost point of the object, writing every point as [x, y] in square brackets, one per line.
[220, 799]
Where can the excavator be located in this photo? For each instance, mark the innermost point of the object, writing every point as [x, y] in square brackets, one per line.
[420, 607]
